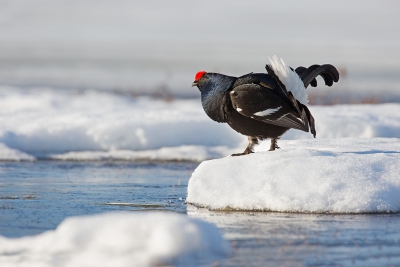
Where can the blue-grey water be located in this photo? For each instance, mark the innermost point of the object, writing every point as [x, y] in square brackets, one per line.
[37, 196]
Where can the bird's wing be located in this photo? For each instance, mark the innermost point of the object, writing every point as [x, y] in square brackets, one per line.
[263, 104]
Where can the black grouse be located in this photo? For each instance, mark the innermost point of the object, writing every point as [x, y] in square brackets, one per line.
[261, 105]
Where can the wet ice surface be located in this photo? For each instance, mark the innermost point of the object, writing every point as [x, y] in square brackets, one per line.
[284, 239]
[37, 196]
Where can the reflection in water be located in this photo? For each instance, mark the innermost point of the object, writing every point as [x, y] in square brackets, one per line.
[283, 239]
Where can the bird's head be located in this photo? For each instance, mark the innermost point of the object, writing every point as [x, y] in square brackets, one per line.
[213, 88]
[200, 79]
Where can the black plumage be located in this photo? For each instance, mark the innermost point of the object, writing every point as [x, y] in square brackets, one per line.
[258, 105]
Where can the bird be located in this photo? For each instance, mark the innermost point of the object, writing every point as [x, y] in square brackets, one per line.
[263, 105]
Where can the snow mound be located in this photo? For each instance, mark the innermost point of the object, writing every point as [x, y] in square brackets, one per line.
[92, 125]
[179, 153]
[333, 175]
[48, 122]
[7, 153]
[365, 121]
[117, 239]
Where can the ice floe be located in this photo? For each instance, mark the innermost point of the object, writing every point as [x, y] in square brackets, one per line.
[348, 175]
[13, 154]
[118, 239]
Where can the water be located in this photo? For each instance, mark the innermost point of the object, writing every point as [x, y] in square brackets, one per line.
[37, 196]
[281, 239]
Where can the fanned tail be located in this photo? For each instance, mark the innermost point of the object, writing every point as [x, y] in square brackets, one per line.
[301, 109]
[288, 77]
[328, 72]
[307, 75]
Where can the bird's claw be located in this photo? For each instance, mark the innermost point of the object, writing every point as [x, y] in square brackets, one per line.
[237, 154]
[242, 154]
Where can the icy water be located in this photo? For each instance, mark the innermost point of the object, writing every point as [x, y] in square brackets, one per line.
[37, 196]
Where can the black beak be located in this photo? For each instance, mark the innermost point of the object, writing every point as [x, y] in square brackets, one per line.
[194, 83]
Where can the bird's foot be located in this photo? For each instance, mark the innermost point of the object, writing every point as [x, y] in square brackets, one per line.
[246, 152]
[249, 149]
[273, 148]
[274, 144]
[239, 154]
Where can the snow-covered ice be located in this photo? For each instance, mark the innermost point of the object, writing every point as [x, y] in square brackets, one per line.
[348, 175]
[93, 125]
[14, 155]
[43, 123]
[178, 153]
[118, 239]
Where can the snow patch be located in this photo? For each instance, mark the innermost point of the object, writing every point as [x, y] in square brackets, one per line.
[44, 122]
[180, 153]
[337, 176]
[290, 79]
[118, 239]
[48, 123]
[7, 153]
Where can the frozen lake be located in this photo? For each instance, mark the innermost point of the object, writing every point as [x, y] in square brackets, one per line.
[37, 196]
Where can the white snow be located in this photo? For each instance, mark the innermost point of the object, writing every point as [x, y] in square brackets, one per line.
[364, 121]
[267, 111]
[118, 239]
[12, 154]
[92, 125]
[44, 123]
[349, 175]
[179, 153]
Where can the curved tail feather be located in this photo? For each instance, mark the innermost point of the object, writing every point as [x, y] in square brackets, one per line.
[328, 72]
[308, 76]
[299, 70]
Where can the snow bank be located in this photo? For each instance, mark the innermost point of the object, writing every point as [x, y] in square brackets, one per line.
[47, 122]
[12, 154]
[117, 239]
[179, 153]
[92, 125]
[365, 121]
[324, 175]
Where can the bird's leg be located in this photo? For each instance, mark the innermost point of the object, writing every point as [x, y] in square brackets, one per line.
[249, 149]
[274, 144]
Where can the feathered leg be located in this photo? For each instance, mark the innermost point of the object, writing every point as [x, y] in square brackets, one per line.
[249, 149]
[274, 144]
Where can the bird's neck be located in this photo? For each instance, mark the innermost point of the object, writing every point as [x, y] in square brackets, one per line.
[214, 96]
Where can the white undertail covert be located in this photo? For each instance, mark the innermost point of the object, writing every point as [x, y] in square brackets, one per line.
[289, 78]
